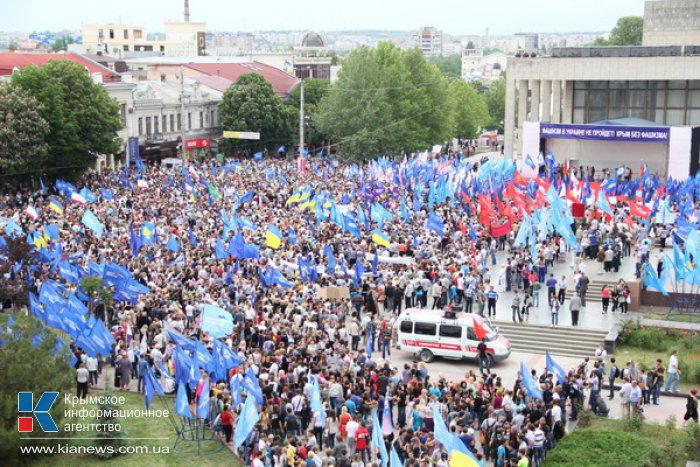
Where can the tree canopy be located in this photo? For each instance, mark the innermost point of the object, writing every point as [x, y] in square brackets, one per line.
[386, 101]
[495, 97]
[470, 110]
[250, 104]
[449, 65]
[627, 31]
[83, 120]
[314, 91]
[23, 131]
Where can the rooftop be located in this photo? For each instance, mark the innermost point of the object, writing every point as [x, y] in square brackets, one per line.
[282, 82]
[10, 61]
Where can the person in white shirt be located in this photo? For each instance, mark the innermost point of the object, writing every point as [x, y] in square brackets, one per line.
[351, 428]
[92, 369]
[673, 372]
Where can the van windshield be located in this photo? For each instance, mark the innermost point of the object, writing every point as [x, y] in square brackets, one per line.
[491, 334]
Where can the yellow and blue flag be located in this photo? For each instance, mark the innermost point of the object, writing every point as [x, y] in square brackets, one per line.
[380, 238]
[273, 237]
[55, 205]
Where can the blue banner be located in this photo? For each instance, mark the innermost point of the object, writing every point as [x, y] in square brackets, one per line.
[639, 134]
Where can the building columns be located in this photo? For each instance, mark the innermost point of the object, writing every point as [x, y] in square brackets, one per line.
[535, 100]
[546, 100]
[509, 122]
[556, 101]
[522, 111]
[568, 115]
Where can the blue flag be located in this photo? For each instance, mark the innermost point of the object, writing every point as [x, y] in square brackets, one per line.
[91, 221]
[152, 387]
[531, 386]
[370, 342]
[436, 224]
[246, 421]
[554, 367]
[182, 407]
[173, 244]
[203, 404]
[359, 271]
[378, 439]
[217, 321]
[328, 253]
[250, 383]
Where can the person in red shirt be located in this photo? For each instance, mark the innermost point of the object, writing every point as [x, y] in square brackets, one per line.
[362, 442]
[227, 423]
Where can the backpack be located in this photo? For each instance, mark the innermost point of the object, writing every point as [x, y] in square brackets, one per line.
[617, 372]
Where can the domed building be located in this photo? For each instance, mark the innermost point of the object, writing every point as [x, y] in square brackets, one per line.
[312, 60]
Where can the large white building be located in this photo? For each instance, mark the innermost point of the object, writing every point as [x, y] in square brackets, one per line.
[657, 85]
[429, 40]
[182, 38]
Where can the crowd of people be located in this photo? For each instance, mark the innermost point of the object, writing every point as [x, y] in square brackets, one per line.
[289, 333]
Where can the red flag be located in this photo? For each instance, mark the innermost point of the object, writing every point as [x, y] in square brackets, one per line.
[639, 210]
[478, 329]
[500, 230]
[518, 178]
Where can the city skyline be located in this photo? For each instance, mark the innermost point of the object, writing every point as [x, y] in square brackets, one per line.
[540, 16]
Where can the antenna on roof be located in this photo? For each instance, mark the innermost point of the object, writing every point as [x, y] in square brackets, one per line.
[187, 11]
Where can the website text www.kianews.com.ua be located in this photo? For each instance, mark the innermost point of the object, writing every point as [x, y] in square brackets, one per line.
[68, 449]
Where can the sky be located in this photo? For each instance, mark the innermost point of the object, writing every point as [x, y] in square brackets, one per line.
[456, 17]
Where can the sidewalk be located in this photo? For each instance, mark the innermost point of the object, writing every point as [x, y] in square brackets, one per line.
[591, 316]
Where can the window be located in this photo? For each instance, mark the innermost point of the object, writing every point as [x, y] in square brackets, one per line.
[148, 126]
[406, 326]
[179, 122]
[201, 119]
[140, 126]
[155, 125]
[126, 33]
[172, 122]
[212, 122]
[165, 124]
[189, 120]
[471, 335]
[425, 329]
[138, 34]
[122, 113]
[126, 48]
[454, 332]
[111, 33]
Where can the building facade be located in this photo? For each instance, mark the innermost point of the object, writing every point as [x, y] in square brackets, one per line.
[429, 40]
[658, 84]
[161, 114]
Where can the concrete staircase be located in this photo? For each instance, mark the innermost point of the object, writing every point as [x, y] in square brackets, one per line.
[566, 341]
[593, 292]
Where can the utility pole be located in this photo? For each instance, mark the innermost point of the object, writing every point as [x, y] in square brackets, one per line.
[301, 121]
[182, 115]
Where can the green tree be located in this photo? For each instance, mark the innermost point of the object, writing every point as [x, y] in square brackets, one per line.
[470, 110]
[14, 287]
[314, 91]
[28, 367]
[627, 31]
[23, 131]
[450, 65]
[495, 98]
[250, 104]
[61, 44]
[83, 120]
[436, 125]
[376, 107]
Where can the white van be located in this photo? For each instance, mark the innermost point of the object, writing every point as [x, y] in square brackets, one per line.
[430, 333]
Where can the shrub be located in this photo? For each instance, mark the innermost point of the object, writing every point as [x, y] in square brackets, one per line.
[584, 448]
[106, 436]
[633, 423]
[584, 417]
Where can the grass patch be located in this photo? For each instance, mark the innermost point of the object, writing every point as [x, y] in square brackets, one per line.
[612, 442]
[645, 344]
[660, 314]
[139, 428]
